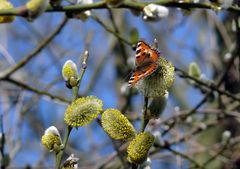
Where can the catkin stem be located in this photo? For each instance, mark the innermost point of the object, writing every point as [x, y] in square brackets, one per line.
[145, 118]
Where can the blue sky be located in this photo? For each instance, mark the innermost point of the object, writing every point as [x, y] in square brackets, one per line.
[21, 40]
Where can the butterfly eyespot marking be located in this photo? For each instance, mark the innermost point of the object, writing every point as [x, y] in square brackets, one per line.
[139, 44]
[138, 51]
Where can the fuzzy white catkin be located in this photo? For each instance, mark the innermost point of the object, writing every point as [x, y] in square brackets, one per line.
[82, 15]
[226, 3]
[69, 69]
[153, 11]
[36, 8]
[226, 135]
[52, 139]
[53, 130]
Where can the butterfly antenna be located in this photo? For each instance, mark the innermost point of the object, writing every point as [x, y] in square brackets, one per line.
[126, 78]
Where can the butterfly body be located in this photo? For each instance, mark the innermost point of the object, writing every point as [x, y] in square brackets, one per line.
[146, 62]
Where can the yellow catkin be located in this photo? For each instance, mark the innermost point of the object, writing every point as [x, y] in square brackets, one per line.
[117, 125]
[194, 70]
[36, 8]
[82, 111]
[69, 70]
[4, 4]
[50, 140]
[139, 147]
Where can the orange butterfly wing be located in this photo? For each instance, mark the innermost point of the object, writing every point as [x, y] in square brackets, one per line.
[145, 62]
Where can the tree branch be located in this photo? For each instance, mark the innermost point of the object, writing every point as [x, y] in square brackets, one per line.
[126, 4]
[32, 54]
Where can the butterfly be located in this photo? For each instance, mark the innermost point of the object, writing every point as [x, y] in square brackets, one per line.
[146, 62]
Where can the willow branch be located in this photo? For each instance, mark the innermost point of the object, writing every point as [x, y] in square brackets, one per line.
[209, 85]
[217, 154]
[36, 91]
[145, 118]
[34, 53]
[221, 80]
[178, 153]
[2, 141]
[74, 97]
[126, 4]
[108, 29]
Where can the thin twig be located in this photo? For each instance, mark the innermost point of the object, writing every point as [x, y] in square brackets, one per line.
[36, 91]
[209, 85]
[2, 141]
[182, 138]
[172, 124]
[126, 4]
[184, 156]
[217, 154]
[110, 30]
[145, 118]
[34, 53]
[74, 97]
